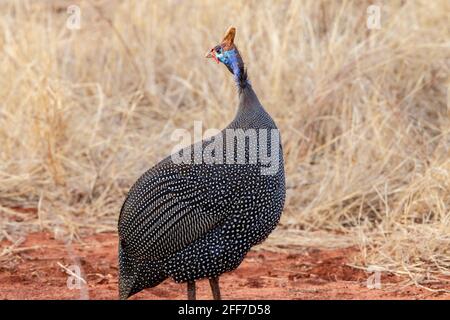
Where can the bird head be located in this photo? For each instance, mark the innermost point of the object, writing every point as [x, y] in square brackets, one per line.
[227, 53]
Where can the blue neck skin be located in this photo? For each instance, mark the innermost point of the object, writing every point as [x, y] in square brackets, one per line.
[230, 59]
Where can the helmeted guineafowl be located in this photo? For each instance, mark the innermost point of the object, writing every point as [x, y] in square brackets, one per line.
[198, 218]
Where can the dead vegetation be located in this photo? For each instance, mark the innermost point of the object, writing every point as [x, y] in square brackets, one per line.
[364, 114]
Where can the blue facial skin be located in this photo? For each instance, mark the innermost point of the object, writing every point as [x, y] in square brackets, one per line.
[229, 58]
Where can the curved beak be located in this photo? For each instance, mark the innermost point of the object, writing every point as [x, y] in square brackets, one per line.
[212, 54]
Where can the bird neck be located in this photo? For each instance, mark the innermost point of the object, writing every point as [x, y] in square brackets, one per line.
[241, 79]
[247, 97]
[250, 111]
[248, 101]
[235, 65]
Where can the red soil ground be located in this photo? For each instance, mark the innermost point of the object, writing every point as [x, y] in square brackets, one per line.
[33, 272]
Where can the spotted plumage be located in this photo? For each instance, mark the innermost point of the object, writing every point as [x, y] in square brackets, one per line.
[192, 220]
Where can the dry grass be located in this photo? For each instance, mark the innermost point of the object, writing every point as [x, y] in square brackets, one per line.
[364, 114]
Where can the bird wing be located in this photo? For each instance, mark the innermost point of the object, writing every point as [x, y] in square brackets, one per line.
[172, 205]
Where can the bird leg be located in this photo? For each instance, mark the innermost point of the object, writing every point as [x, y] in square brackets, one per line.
[191, 290]
[214, 282]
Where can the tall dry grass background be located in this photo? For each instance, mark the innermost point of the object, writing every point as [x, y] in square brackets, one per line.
[364, 114]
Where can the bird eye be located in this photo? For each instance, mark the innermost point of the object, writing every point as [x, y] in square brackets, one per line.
[218, 49]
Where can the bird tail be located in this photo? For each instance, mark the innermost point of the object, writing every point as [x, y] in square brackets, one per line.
[135, 275]
[126, 274]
